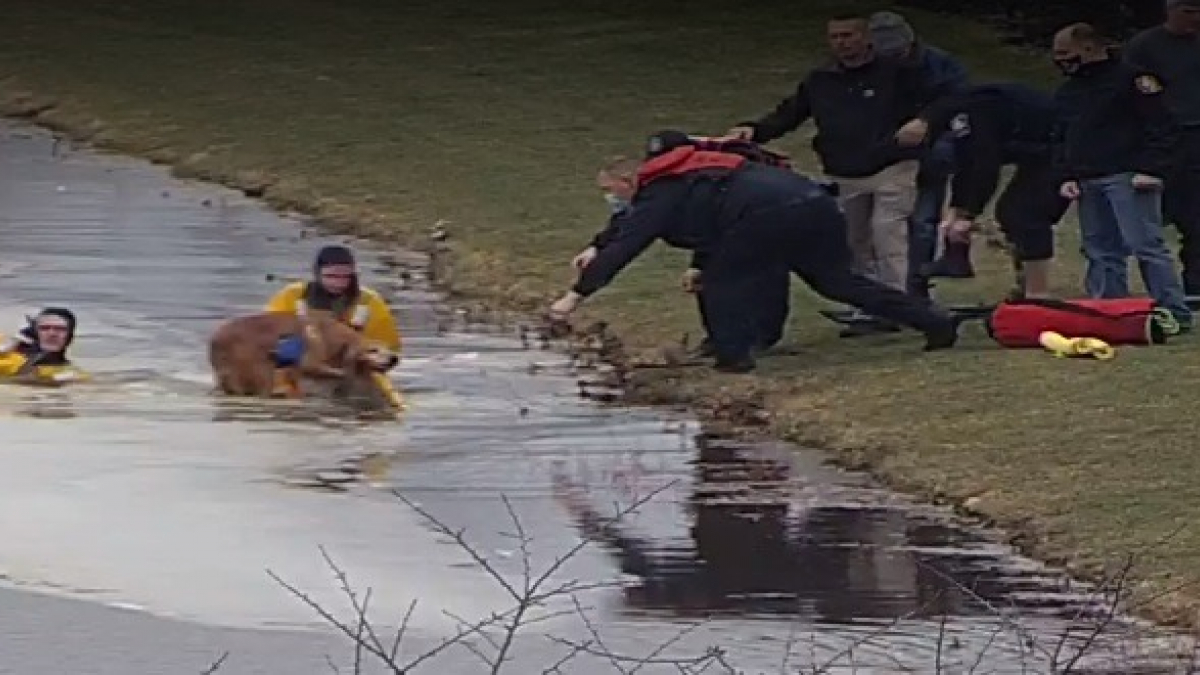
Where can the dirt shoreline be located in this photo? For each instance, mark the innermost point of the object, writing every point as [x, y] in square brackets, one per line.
[744, 405]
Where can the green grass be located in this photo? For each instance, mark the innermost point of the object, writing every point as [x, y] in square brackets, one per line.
[495, 117]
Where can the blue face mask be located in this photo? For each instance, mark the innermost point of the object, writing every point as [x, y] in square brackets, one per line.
[617, 204]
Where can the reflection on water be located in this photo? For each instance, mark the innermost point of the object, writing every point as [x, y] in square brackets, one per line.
[55, 404]
[757, 544]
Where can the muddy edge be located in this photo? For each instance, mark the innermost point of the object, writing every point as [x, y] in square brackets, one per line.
[744, 409]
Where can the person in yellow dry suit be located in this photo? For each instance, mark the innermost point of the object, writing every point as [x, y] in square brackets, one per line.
[335, 287]
[38, 352]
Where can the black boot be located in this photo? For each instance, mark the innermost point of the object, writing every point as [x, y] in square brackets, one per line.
[737, 365]
[944, 335]
[955, 262]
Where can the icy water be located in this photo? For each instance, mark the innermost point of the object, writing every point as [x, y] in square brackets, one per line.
[143, 518]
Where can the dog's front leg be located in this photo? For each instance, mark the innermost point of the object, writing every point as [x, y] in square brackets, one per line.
[286, 383]
[324, 370]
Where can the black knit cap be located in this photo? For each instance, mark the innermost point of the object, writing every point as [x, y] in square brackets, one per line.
[334, 254]
[665, 141]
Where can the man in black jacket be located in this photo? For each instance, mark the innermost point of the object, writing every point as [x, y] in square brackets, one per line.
[994, 125]
[1172, 53]
[1118, 144]
[772, 305]
[858, 101]
[739, 218]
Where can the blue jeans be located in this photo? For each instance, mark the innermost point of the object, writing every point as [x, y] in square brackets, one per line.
[932, 185]
[1117, 221]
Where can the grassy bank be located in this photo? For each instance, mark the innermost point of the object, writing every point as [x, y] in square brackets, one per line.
[494, 118]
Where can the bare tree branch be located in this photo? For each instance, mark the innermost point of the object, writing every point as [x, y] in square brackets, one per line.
[216, 665]
[848, 652]
[491, 639]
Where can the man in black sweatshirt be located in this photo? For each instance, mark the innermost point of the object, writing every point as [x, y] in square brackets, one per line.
[995, 125]
[1171, 52]
[740, 218]
[1119, 142]
[858, 100]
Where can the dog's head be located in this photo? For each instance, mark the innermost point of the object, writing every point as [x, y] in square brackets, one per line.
[378, 358]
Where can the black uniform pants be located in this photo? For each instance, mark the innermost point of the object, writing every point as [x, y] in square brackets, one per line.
[771, 292]
[807, 236]
[1181, 204]
[1028, 209]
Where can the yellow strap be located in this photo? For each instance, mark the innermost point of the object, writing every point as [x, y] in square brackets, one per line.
[361, 313]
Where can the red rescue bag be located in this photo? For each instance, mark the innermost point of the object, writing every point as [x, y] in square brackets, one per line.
[1124, 321]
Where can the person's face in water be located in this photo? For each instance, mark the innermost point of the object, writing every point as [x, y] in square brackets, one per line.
[52, 333]
[336, 279]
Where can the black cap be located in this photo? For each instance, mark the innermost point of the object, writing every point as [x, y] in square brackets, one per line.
[334, 255]
[666, 141]
[62, 313]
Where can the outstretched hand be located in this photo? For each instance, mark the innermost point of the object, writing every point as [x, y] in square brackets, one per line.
[564, 306]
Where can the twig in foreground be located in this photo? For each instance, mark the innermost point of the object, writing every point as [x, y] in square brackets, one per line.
[216, 665]
[532, 592]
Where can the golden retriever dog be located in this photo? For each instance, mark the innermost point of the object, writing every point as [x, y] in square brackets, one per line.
[240, 352]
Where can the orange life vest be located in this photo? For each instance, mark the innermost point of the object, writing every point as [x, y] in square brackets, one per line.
[685, 159]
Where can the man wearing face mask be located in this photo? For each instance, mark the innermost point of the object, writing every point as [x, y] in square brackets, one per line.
[772, 303]
[1118, 141]
[739, 218]
[1172, 53]
[40, 349]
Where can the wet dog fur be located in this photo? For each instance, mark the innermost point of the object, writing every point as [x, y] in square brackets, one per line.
[240, 352]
